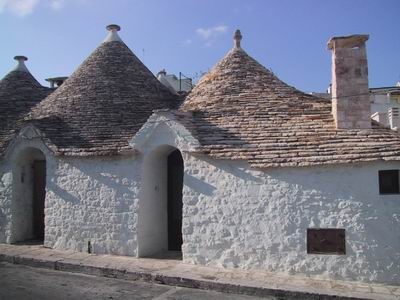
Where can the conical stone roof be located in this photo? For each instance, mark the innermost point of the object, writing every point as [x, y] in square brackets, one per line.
[19, 92]
[240, 110]
[238, 81]
[103, 103]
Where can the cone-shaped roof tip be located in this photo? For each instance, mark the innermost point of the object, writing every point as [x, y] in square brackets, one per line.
[21, 63]
[237, 38]
[113, 27]
[20, 58]
[113, 33]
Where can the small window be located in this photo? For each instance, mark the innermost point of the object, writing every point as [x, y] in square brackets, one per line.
[389, 182]
[326, 241]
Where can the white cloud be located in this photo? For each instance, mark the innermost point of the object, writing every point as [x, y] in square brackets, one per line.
[212, 32]
[209, 35]
[22, 8]
[57, 4]
[187, 42]
[18, 7]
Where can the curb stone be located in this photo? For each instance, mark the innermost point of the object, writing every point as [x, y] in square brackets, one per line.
[108, 267]
[60, 265]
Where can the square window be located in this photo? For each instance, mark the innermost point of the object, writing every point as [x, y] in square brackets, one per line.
[389, 182]
[326, 241]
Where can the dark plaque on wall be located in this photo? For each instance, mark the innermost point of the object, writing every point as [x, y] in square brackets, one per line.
[326, 241]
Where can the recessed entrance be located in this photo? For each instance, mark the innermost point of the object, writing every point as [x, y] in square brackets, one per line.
[29, 193]
[160, 206]
[175, 184]
[39, 195]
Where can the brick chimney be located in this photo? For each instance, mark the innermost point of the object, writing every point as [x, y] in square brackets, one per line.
[351, 106]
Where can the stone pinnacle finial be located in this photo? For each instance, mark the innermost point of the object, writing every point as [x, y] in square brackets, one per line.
[113, 33]
[113, 27]
[237, 38]
[21, 63]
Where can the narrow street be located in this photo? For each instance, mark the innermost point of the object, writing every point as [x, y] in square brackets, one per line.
[19, 282]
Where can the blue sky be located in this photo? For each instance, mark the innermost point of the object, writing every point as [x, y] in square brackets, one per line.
[190, 36]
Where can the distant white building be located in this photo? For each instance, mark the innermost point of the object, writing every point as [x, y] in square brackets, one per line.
[180, 84]
[385, 104]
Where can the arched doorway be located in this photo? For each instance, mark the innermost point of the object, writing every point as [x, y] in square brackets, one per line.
[29, 193]
[175, 185]
[160, 206]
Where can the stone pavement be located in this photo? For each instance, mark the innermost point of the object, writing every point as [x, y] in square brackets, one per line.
[176, 273]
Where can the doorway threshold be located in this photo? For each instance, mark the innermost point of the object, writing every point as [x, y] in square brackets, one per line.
[170, 255]
[33, 242]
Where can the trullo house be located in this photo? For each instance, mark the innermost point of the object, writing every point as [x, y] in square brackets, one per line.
[243, 172]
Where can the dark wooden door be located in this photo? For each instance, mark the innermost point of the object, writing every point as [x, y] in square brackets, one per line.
[39, 194]
[175, 184]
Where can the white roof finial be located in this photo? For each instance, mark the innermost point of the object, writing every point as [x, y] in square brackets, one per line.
[21, 63]
[237, 39]
[113, 33]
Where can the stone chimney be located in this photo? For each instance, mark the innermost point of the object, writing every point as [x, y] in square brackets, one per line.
[351, 106]
[56, 82]
[162, 77]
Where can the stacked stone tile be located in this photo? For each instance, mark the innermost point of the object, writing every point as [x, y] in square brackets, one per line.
[19, 92]
[240, 110]
[102, 104]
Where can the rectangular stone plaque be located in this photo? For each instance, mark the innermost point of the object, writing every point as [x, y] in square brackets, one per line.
[326, 241]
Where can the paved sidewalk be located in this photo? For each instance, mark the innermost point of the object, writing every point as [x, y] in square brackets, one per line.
[176, 273]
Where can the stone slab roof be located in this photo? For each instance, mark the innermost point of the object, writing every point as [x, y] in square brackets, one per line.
[241, 110]
[102, 104]
[19, 92]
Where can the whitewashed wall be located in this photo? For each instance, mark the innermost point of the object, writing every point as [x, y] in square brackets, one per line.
[93, 200]
[15, 199]
[232, 216]
[235, 217]
[5, 201]
[87, 199]
[22, 207]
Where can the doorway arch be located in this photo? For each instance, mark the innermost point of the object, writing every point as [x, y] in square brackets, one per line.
[160, 204]
[29, 193]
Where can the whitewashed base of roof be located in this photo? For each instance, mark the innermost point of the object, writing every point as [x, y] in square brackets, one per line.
[234, 217]
[241, 218]
[87, 199]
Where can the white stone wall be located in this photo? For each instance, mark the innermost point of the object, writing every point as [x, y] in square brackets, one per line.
[232, 216]
[93, 199]
[22, 207]
[15, 199]
[87, 199]
[5, 201]
[155, 144]
[235, 217]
